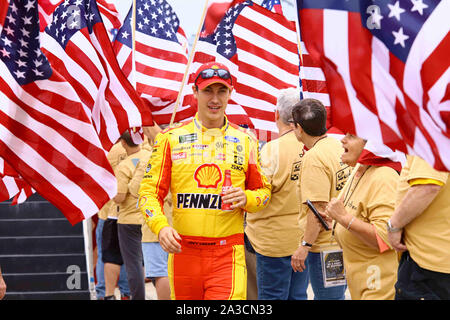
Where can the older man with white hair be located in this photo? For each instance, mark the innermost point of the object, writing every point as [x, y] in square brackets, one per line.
[274, 231]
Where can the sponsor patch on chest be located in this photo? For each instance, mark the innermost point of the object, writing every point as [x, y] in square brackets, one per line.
[199, 201]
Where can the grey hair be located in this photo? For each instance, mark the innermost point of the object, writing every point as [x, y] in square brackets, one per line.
[286, 101]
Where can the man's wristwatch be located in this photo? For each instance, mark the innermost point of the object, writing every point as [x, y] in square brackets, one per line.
[306, 244]
[390, 228]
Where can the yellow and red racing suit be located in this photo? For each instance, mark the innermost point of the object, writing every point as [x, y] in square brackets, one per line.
[191, 160]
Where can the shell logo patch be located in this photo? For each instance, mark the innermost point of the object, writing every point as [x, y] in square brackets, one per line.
[208, 175]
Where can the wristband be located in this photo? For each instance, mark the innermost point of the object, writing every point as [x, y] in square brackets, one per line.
[350, 223]
[390, 228]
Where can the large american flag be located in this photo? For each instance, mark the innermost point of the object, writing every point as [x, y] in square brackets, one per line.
[160, 56]
[45, 133]
[387, 70]
[79, 48]
[260, 49]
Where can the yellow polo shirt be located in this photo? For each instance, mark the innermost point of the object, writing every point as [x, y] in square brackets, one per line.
[274, 231]
[116, 154]
[128, 213]
[371, 272]
[428, 235]
[323, 175]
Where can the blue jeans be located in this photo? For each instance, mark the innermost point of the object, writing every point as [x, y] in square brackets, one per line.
[315, 276]
[276, 280]
[99, 268]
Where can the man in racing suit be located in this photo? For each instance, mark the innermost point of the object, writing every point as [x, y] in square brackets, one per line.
[206, 243]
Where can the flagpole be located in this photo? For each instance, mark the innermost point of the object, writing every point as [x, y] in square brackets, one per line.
[89, 253]
[133, 37]
[191, 56]
[297, 26]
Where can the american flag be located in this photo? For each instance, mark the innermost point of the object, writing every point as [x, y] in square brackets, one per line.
[108, 12]
[160, 56]
[260, 49]
[45, 133]
[78, 47]
[387, 70]
[273, 5]
[214, 13]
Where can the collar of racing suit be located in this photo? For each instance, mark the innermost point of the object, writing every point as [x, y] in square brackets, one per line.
[213, 131]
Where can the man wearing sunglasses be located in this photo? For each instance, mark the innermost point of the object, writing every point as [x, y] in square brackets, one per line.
[206, 243]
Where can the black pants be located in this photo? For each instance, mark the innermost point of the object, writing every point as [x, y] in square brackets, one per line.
[416, 283]
[110, 243]
[130, 241]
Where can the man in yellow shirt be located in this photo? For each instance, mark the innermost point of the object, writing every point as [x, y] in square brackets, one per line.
[322, 176]
[129, 222]
[274, 231]
[110, 264]
[420, 228]
[155, 258]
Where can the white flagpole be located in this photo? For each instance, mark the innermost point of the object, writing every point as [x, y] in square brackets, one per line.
[133, 37]
[89, 253]
[299, 45]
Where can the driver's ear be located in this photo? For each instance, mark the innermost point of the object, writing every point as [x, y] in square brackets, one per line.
[195, 90]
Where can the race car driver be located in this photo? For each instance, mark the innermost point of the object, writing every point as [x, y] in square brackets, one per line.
[206, 243]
